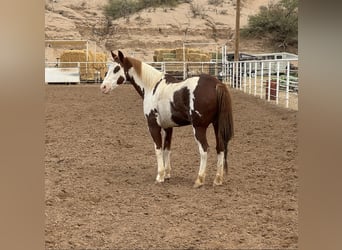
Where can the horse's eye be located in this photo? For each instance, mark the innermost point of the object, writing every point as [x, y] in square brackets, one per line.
[117, 68]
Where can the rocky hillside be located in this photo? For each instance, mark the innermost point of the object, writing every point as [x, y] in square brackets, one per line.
[141, 33]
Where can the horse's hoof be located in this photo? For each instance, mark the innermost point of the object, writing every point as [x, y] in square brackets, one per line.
[198, 185]
[218, 181]
[160, 177]
[199, 182]
[158, 182]
[217, 184]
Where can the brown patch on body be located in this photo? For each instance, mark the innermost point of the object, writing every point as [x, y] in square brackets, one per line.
[180, 110]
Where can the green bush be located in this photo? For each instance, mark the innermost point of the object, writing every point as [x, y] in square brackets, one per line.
[123, 8]
[277, 22]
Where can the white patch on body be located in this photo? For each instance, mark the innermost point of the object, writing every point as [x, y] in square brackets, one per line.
[164, 96]
[198, 113]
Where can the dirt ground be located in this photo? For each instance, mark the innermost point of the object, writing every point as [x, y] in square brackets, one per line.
[100, 169]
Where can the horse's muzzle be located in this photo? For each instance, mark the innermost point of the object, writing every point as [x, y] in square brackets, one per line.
[105, 89]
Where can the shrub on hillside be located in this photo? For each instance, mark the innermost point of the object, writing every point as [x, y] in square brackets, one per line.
[278, 22]
[123, 8]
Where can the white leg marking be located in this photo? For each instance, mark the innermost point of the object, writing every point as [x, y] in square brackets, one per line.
[219, 174]
[160, 162]
[167, 163]
[201, 173]
[203, 163]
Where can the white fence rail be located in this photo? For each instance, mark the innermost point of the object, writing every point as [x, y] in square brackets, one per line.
[273, 80]
[89, 72]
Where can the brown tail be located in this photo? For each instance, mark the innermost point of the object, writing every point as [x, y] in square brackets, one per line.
[225, 119]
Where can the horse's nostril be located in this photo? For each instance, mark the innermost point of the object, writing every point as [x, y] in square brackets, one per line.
[104, 87]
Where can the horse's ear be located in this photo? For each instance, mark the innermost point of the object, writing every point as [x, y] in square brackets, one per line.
[121, 57]
[113, 55]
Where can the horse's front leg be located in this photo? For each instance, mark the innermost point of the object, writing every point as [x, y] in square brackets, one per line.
[167, 152]
[155, 132]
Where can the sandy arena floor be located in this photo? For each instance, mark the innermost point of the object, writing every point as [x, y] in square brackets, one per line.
[100, 169]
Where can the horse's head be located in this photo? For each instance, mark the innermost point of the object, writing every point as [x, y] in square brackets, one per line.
[115, 75]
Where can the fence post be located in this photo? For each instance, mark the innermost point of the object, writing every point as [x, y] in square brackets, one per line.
[269, 81]
[277, 86]
[287, 84]
[250, 77]
[255, 77]
[245, 78]
[240, 75]
[230, 73]
[261, 80]
[233, 64]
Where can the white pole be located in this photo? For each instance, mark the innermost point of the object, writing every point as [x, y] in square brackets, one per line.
[245, 78]
[269, 81]
[261, 80]
[255, 77]
[287, 83]
[250, 77]
[230, 73]
[240, 75]
[277, 87]
[234, 81]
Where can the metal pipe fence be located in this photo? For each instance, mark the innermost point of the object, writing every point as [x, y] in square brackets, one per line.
[273, 80]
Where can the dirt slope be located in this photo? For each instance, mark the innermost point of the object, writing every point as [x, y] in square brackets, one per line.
[150, 28]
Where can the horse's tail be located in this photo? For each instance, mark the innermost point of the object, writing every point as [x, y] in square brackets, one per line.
[224, 119]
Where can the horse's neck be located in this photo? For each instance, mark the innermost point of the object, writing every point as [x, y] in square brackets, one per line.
[148, 77]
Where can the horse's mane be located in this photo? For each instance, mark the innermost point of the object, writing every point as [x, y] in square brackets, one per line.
[148, 74]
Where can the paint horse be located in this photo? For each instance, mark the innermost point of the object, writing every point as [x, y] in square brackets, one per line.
[197, 101]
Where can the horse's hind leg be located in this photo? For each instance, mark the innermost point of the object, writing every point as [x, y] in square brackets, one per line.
[220, 158]
[167, 152]
[201, 138]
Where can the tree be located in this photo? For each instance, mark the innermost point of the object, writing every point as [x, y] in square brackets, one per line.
[277, 22]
